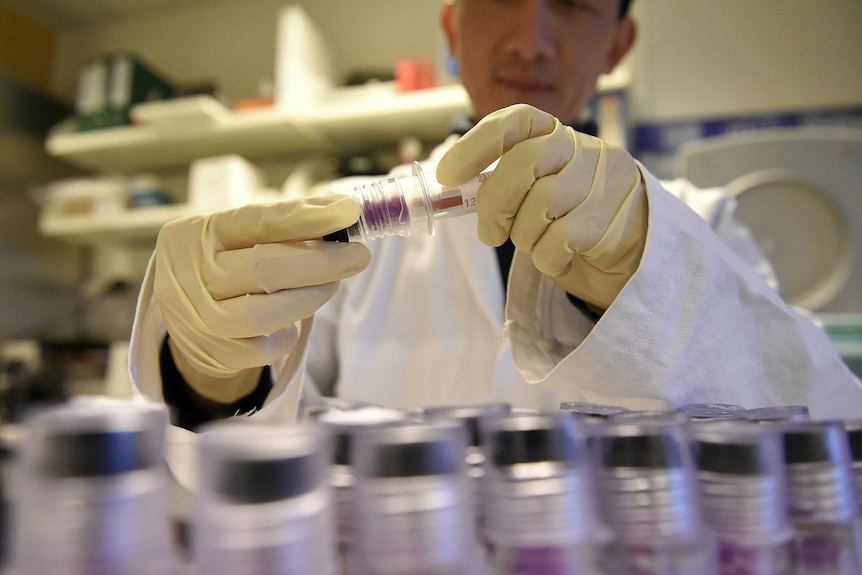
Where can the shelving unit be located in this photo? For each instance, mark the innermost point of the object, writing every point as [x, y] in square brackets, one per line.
[348, 121]
[132, 226]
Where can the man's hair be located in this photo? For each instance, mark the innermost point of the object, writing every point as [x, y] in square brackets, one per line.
[624, 8]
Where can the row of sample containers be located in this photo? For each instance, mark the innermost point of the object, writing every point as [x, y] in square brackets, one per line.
[456, 490]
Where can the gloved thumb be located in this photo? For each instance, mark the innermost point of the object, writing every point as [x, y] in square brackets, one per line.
[492, 137]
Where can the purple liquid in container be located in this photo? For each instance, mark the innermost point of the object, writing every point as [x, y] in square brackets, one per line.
[823, 503]
[541, 514]
[406, 205]
[388, 209]
[570, 560]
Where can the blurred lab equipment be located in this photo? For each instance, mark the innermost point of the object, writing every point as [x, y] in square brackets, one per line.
[414, 508]
[798, 191]
[89, 491]
[823, 503]
[264, 502]
[542, 517]
[741, 475]
[649, 496]
[344, 421]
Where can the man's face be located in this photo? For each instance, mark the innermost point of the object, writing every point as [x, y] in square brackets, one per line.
[546, 53]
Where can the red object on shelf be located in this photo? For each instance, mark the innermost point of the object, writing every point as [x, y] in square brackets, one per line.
[414, 74]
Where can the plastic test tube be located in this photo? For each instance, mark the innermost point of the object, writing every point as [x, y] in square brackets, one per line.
[740, 467]
[542, 515]
[649, 495]
[91, 492]
[405, 205]
[344, 424]
[413, 501]
[824, 508]
[264, 504]
[472, 416]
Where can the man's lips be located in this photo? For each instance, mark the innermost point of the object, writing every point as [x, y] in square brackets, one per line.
[525, 84]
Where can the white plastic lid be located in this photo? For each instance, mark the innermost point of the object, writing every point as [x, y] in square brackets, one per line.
[801, 230]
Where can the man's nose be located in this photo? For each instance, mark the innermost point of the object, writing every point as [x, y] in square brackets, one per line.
[531, 29]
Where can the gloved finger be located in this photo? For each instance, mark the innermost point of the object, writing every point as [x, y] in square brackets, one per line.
[238, 353]
[263, 314]
[540, 208]
[292, 220]
[267, 268]
[501, 195]
[555, 196]
[494, 135]
[552, 254]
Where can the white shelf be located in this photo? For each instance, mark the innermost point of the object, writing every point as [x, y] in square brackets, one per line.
[138, 225]
[348, 120]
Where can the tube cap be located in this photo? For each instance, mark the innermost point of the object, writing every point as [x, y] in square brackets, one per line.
[410, 450]
[736, 448]
[254, 463]
[651, 440]
[814, 442]
[531, 439]
[854, 435]
[88, 439]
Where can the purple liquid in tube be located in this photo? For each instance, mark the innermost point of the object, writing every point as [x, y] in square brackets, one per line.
[549, 561]
[739, 559]
[405, 205]
[390, 208]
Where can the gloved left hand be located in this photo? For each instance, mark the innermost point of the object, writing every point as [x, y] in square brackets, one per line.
[574, 203]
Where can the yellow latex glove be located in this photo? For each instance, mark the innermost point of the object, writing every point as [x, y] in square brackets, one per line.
[572, 202]
[231, 285]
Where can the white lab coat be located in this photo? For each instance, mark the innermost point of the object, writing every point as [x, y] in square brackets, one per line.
[425, 324]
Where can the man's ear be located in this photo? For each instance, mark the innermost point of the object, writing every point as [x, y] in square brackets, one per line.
[627, 31]
[449, 24]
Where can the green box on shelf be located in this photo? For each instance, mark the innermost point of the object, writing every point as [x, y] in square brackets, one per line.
[110, 84]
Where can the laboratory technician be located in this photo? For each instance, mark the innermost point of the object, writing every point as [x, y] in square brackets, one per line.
[618, 292]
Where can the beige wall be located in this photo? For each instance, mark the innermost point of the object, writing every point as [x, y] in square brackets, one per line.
[705, 57]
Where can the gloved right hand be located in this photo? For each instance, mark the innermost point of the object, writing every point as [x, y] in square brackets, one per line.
[231, 285]
[574, 204]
